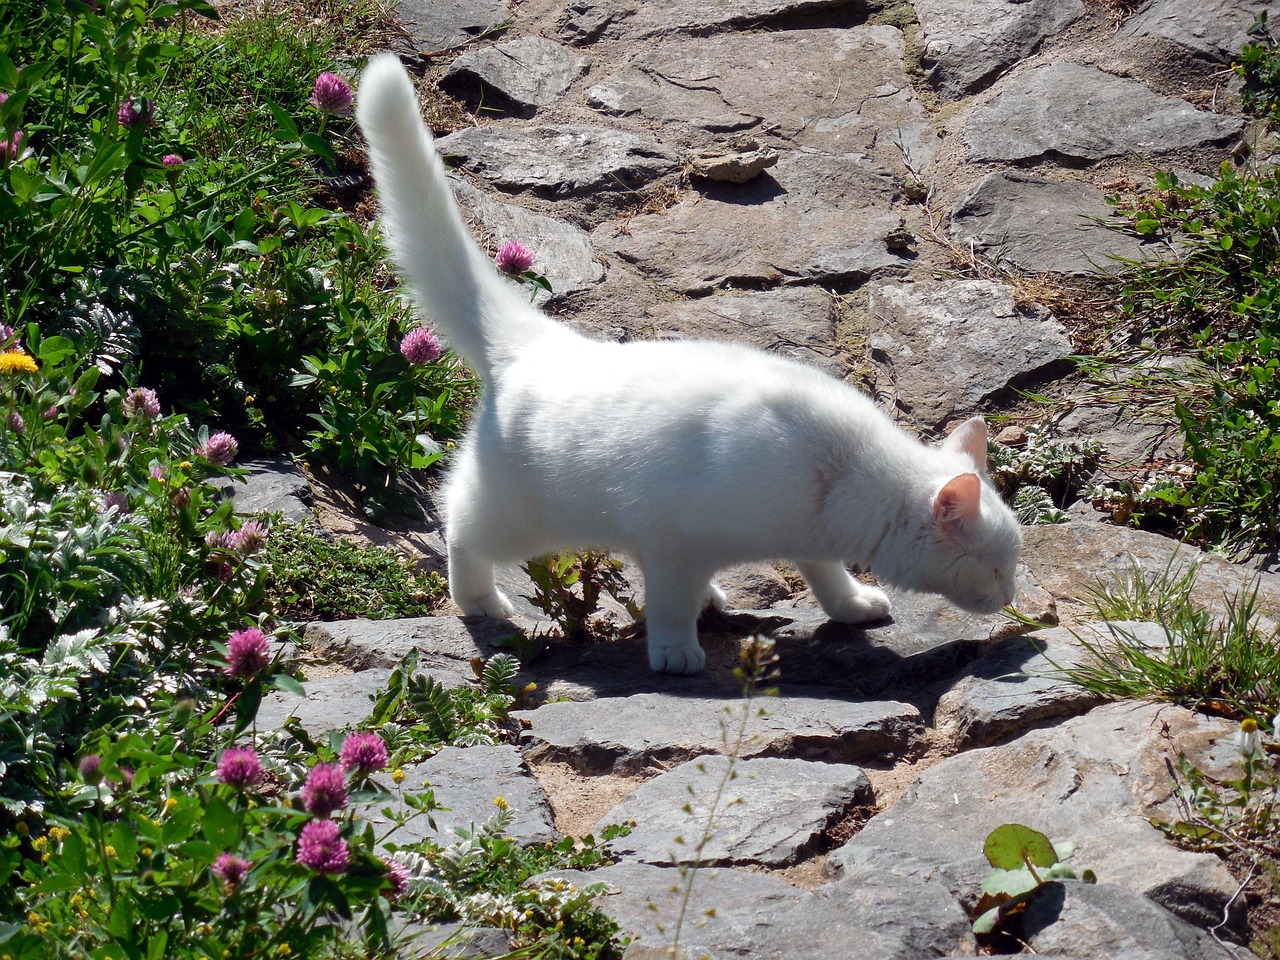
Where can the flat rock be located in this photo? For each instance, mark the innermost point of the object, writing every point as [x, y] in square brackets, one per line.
[520, 74]
[330, 703]
[467, 780]
[273, 485]
[587, 21]
[1075, 559]
[839, 91]
[445, 644]
[796, 322]
[1020, 684]
[1073, 919]
[948, 347]
[1093, 779]
[965, 44]
[440, 24]
[790, 223]
[1078, 114]
[1043, 226]
[772, 813]
[1211, 29]
[562, 252]
[626, 735]
[558, 160]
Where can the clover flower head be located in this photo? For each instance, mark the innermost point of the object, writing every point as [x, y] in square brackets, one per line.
[220, 449]
[363, 753]
[171, 161]
[91, 768]
[17, 424]
[321, 848]
[332, 95]
[239, 767]
[50, 414]
[231, 870]
[250, 538]
[141, 401]
[11, 147]
[514, 258]
[325, 790]
[399, 876]
[420, 346]
[116, 500]
[218, 539]
[8, 335]
[248, 654]
[136, 110]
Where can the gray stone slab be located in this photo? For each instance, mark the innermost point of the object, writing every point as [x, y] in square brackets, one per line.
[440, 24]
[772, 812]
[558, 160]
[966, 44]
[445, 644]
[794, 322]
[1093, 779]
[626, 735]
[1043, 226]
[467, 780]
[790, 223]
[1021, 684]
[330, 703]
[562, 252]
[273, 485]
[1212, 29]
[1080, 114]
[587, 21]
[945, 348]
[839, 91]
[519, 75]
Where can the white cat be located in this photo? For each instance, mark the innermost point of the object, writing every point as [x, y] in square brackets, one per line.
[686, 456]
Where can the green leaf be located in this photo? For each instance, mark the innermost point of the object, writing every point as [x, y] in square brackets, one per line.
[287, 684]
[1012, 845]
[221, 825]
[288, 130]
[320, 147]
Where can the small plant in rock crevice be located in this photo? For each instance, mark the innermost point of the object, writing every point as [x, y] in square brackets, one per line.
[1040, 476]
[567, 587]
[1024, 861]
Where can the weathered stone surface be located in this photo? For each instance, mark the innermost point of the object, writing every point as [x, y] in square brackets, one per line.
[1074, 919]
[773, 813]
[1042, 226]
[790, 223]
[445, 644]
[560, 161]
[439, 24]
[839, 91]
[965, 44]
[1093, 779]
[273, 484]
[795, 322]
[520, 74]
[626, 735]
[467, 780]
[1020, 684]
[1081, 114]
[330, 703]
[1073, 559]
[738, 163]
[950, 346]
[594, 20]
[1213, 29]
[562, 252]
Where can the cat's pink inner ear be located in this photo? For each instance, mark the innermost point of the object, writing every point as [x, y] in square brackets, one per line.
[970, 438]
[958, 502]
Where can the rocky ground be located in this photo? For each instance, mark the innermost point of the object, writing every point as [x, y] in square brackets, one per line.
[810, 176]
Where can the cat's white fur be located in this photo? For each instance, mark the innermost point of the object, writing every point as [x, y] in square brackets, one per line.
[687, 456]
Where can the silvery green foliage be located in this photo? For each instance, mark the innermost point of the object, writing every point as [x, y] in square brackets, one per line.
[1043, 475]
[101, 318]
[1033, 505]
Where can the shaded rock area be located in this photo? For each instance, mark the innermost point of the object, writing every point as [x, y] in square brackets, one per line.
[886, 145]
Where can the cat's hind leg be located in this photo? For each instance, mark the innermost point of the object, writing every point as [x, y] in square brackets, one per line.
[673, 599]
[842, 597]
[472, 585]
[715, 598]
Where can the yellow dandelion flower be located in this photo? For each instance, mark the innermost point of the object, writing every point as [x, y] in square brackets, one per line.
[15, 361]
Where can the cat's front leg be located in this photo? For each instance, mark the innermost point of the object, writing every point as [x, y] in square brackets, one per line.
[842, 597]
[673, 599]
[472, 586]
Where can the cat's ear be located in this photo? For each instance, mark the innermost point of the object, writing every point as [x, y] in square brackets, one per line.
[958, 503]
[970, 438]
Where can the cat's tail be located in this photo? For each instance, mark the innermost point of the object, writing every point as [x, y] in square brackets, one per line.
[483, 316]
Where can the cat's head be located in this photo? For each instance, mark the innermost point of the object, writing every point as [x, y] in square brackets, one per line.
[971, 539]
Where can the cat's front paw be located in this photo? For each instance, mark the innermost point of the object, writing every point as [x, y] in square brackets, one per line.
[683, 660]
[868, 605]
[492, 604]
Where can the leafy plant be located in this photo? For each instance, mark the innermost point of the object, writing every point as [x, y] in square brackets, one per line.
[567, 588]
[1024, 860]
[1041, 475]
[1258, 65]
